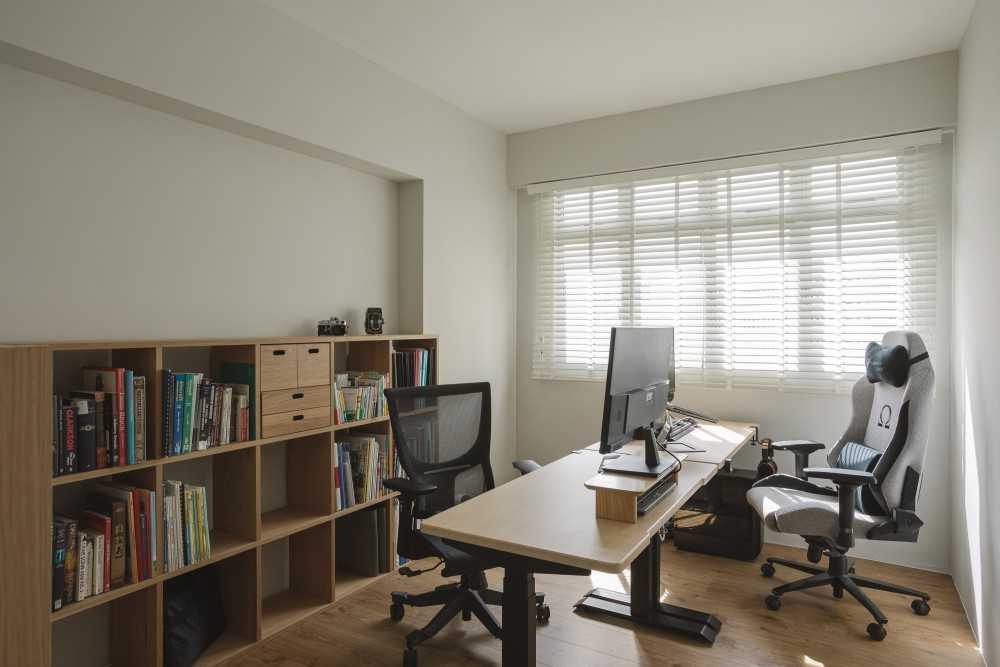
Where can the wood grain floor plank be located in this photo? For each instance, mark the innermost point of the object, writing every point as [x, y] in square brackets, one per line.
[812, 629]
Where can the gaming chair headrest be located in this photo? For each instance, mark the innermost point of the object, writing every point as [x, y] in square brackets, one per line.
[889, 363]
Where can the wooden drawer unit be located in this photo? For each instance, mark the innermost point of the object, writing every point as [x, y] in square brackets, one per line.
[313, 364]
[292, 422]
[279, 367]
[297, 399]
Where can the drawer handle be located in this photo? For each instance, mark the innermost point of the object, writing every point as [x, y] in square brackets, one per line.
[313, 350]
[298, 395]
[298, 418]
[278, 353]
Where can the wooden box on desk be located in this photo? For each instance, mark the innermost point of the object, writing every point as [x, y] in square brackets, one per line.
[617, 494]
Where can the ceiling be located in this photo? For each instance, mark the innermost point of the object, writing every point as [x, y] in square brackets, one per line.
[523, 64]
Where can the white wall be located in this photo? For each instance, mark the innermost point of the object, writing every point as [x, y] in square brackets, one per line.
[976, 426]
[556, 417]
[910, 94]
[121, 222]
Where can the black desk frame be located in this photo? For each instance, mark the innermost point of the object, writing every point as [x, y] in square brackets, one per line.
[643, 604]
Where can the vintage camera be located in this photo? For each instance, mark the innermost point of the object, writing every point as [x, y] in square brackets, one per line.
[374, 321]
[332, 327]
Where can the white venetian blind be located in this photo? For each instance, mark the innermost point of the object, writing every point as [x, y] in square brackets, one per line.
[773, 271]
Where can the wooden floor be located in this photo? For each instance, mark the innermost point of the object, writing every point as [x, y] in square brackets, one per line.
[812, 629]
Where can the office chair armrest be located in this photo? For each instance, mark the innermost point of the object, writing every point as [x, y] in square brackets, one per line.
[410, 488]
[524, 466]
[841, 476]
[801, 449]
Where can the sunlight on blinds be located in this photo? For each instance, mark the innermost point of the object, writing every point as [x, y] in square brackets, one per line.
[773, 275]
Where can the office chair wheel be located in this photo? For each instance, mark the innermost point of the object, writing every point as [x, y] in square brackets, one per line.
[876, 631]
[814, 553]
[920, 607]
[542, 613]
[772, 602]
[396, 611]
[410, 657]
[767, 570]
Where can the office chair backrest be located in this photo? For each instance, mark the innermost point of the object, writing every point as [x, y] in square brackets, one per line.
[891, 414]
[442, 436]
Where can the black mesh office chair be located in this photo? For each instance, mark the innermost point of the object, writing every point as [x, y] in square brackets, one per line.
[442, 437]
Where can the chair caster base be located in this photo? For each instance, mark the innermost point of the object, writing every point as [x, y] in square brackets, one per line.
[410, 657]
[396, 611]
[542, 613]
[876, 631]
[920, 607]
[767, 570]
[772, 602]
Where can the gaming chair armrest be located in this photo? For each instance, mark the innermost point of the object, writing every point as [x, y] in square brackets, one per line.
[410, 488]
[524, 466]
[847, 482]
[841, 476]
[801, 449]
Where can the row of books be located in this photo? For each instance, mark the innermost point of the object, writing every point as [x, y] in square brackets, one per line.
[100, 425]
[412, 367]
[199, 413]
[359, 395]
[362, 542]
[111, 544]
[185, 525]
[360, 464]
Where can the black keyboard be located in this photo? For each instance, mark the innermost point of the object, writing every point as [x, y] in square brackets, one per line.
[680, 428]
[654, 495]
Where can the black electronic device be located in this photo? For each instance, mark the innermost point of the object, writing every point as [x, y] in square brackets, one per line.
[639, 386]
[656, 493]
[718, 520]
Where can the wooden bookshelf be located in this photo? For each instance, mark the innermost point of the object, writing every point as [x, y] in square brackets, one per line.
[240, 527]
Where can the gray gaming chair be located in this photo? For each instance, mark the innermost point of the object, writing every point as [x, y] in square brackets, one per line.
[876, 468]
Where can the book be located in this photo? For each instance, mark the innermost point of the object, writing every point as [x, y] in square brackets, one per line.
[68, 428]
[129, 380]
[101, 522]
[58, 563]
[86, 433]
[83, 558]
[102, 419]
[95, 566]
[70, 558]
[116, 509]
[168, 412]
[243, 374]
[178, 409]
[139, 384]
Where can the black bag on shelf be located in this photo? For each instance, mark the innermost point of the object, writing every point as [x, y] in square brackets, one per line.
[193, 616]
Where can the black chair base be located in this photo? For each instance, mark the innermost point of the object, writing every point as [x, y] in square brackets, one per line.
[841, 577]
[470, 597]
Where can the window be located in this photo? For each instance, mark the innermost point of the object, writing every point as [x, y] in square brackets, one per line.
[773, 273]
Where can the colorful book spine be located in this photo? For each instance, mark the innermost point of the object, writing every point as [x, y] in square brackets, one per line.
[129, 380]
[179, 393]
[139, 385]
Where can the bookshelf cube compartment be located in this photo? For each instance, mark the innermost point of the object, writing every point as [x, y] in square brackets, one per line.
[297, 577]
[230, 481]
[363, 536]
[296, 485]
[236, 577]
[406, 347]
[121, 633]
[220, 364]
[135, 394]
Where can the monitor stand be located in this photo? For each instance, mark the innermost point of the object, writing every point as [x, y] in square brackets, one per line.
[649, 465]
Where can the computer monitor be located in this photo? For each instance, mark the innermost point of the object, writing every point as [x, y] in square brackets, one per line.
[640, 382]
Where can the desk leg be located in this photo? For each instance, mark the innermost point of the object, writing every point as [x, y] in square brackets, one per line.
[518, 617]
[643, 604]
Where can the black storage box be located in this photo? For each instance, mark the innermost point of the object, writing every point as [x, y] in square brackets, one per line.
[718, 520]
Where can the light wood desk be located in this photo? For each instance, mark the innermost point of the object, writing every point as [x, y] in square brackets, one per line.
[548, 516]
